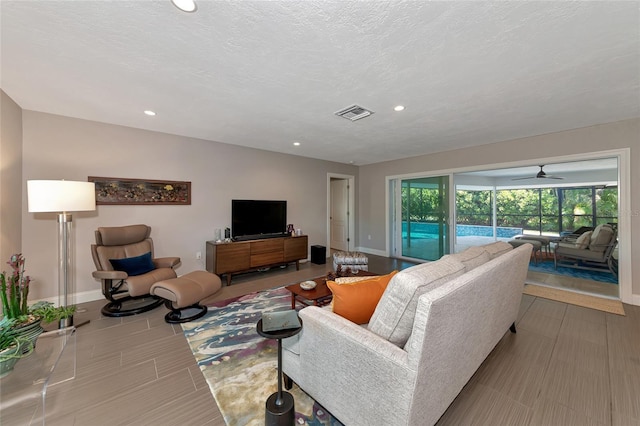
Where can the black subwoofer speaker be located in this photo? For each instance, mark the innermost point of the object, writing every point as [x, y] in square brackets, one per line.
[318, 255]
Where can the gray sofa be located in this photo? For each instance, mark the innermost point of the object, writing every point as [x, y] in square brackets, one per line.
[433, 327]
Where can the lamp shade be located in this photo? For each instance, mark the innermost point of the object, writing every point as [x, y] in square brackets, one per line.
[60, 196]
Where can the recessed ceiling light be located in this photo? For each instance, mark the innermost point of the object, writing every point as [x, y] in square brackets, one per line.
[296, 144]
[149, 112]
[185, 5]
[398, 108]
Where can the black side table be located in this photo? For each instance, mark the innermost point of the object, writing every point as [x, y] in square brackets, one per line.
[280, 409]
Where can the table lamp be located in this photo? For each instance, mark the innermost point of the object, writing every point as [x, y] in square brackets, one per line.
[62, 197]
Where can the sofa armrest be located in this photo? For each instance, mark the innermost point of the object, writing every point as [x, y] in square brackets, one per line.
[110, 275]
[166, 262]
[338, 357]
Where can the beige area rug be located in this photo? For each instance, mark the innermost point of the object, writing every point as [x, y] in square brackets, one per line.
[607, 305]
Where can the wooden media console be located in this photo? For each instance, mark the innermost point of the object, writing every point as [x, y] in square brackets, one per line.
[244, 256]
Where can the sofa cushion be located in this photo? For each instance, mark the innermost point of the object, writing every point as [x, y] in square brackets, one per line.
[472, 257]
[357, 300]
[393, 317]
[583, 240]
[133, 266]
[498, 248]
[600, 238]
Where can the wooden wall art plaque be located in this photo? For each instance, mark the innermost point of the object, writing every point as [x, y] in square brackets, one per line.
[140, 191]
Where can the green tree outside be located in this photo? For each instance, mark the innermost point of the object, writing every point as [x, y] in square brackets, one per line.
[538, 209]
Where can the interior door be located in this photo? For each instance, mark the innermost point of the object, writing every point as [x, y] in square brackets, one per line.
[424, 216]
[339, 214]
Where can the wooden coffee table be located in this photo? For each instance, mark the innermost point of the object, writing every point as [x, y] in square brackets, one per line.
[320, 295]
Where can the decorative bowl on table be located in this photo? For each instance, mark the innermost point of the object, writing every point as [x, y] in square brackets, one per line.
[308, 285]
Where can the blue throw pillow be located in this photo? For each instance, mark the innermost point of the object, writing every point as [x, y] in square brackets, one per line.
[134, 265]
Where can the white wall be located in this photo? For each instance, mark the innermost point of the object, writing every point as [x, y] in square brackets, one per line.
[57, 147]
[10, 178]
[624, 134]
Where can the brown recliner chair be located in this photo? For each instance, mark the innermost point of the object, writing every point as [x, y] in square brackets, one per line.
[125, 264]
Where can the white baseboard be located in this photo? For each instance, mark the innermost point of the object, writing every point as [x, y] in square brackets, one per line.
[371, 251]
[85, 296]
[89, 296]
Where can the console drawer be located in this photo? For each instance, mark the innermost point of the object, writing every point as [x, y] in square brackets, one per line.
[264, 259]
[267, 246]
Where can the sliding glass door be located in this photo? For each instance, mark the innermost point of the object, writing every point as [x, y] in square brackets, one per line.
[421, 217]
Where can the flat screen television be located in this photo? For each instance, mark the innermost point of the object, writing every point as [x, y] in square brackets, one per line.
[253, 219]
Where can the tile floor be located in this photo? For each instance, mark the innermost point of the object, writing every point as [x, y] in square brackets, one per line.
[566, 366]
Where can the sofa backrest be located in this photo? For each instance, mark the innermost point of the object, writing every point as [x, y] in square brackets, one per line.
[119, 242]
[497, 249]
[457, 325]
[393, 317]
[395, 312]
[472, 257]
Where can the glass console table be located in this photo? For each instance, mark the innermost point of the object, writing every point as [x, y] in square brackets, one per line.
[23, 393]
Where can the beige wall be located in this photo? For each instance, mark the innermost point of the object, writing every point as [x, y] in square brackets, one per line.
[10, 178]
[57, 147]
[624, 134]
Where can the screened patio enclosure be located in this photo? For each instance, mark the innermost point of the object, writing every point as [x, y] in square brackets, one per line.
[552, 211]
[553, 199]
[435, 215]
[432, 216]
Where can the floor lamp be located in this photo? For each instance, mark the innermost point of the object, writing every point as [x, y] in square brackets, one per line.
[62, 197]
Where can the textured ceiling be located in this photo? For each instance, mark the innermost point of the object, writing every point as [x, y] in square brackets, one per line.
[264, 74]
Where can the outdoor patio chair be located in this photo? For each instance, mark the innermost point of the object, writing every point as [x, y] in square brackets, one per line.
[592, 250]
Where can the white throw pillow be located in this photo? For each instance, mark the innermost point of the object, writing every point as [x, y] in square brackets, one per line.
[583, 240]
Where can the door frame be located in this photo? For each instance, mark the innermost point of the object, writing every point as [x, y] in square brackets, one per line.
[351, 214]
[396, 244]
[624, 203]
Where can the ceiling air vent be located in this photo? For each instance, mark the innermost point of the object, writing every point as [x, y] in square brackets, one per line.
[353, 113]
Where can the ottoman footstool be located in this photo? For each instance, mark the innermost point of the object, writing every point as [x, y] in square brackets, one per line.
[544, 241]
[537, 246]
[353, 260]
[185, 293]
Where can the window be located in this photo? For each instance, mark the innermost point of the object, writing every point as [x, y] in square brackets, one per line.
[474, 207]
[539, 210]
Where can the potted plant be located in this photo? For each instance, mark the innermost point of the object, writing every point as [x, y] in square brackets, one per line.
[11, 346]
[48, 313]
[14, 291]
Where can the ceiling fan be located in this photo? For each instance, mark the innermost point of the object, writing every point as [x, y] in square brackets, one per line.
[541, 175]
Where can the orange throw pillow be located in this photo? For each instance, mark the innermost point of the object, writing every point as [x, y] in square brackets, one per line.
[356, 301]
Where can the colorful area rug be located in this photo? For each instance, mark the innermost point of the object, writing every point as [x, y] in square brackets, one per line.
[547, 267]
[601, 304]
[239, 365]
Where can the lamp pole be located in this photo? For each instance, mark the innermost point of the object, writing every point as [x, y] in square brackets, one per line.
[65, 228]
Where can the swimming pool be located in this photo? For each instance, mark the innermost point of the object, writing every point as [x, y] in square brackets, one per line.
[431, 230]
